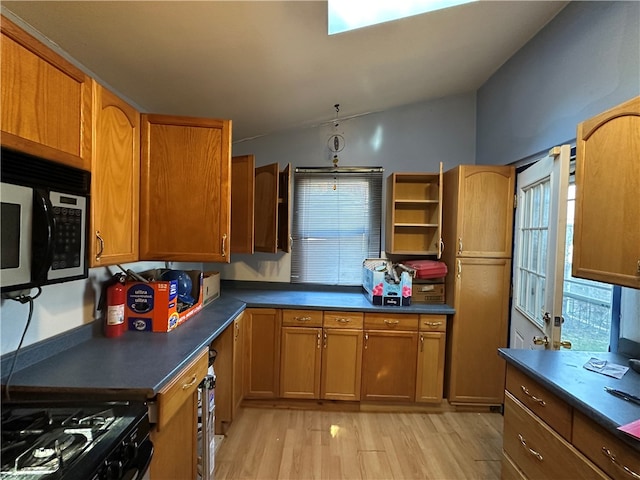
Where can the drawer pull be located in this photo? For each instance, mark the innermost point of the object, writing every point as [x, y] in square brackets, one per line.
[302, 319]
[607, 453]
[433, 324]
[531, 451]
[391, 323]
[343, 320]
[194, 379]
[533, 397]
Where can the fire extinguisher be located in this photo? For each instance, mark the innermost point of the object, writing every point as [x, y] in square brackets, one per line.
[114, 318]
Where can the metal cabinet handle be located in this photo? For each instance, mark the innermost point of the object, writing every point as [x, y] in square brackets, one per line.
[343, 320]
[441, 245]
[324, 334]
[318, 340]
[531, 450]
[101, 242]
[391, 323]
[366, 340]
[302, 319]
[194, 379]
[237, 331]
[459, 268]
[534, 398]
[432, 324]
[421, 342]
[224, 245]
[460, 245]
[612, 458]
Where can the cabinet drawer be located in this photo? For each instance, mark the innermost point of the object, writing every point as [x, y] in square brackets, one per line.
[551, 409]
[538, 451]
[604, 449]
[302, 318]
[179, 390]
[433, 323]
[343, 319]
[385, 321]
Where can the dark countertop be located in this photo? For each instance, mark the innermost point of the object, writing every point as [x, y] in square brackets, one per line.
[562, 372]
[139, 364]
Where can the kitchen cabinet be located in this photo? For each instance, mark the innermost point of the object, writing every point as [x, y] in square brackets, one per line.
[431, 354]
[389, 357]
[272, 230]
[46, 101]
[480, 297]
[262, 352]
[174, 434]
[228, 365]
[321, 355]
[242, 203]
[606, 237]
[414, 214]
[185, 189]
[115, 180]
[478, 229]
[301, 351]
[544, 437]
[479, 209]
[342, 343]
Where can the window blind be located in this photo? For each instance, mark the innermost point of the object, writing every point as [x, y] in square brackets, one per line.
[336, 223]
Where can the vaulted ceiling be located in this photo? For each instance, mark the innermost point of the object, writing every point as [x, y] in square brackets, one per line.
[270, 65]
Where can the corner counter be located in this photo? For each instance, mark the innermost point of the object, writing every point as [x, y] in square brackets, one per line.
[563, 374]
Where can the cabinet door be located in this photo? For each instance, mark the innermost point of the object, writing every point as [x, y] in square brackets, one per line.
[389, 365]
[341, 364]
[115, 180]
[300, 362]
[242, 203]
[606, 239]
[185, 202]
[46, 101]
[174, 435]
[266, 209]
[479, 199]
[284, 210]
[238, 359]
[262, 352]
[478, 329]
[430, 373]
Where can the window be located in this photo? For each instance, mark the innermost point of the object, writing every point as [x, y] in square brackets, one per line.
[336, 224]
[586, 304]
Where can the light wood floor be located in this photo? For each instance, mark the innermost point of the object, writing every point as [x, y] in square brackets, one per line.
[306, 444]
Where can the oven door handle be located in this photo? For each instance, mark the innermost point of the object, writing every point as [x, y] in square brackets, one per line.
[141, 462]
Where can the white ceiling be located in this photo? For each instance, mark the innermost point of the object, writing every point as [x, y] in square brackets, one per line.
[270, 65]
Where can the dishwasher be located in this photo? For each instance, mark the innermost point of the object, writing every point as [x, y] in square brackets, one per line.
[206, 421]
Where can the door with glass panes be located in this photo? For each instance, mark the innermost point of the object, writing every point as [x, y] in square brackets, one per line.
[539, 252]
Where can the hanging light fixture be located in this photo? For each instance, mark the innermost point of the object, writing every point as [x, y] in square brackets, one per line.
[336, 141]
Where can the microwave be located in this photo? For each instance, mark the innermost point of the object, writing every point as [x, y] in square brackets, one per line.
[44, 221]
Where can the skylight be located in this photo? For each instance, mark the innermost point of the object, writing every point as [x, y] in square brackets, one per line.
[345, 15]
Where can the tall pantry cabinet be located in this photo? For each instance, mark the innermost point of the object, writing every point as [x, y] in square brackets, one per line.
[477, 233]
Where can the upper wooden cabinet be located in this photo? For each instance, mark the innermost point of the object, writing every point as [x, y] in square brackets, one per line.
[606, 238]
[242, 203]
[115, 180]
[414, 214]
[482, 198]
[185, 183]
[272, 209]
[46, 101]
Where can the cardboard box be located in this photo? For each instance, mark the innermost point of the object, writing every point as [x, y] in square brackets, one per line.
[210, 287]
[428, 292]
[153, 306]
[379, 290]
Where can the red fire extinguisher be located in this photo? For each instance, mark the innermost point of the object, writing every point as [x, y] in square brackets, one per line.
[114, 318]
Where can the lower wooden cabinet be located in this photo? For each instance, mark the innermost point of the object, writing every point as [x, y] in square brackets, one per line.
[431, 353]
[544, 437]
[300, 362]
[174, 433]
[341, 373]
[389, 357]
[261, 370]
